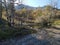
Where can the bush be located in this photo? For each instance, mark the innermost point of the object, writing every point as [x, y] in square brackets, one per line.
[6, 34]
[46, 21]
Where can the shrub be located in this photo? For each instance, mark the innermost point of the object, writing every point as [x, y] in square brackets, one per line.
[45, 21]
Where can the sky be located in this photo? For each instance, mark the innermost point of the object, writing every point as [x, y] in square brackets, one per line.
[37, 3]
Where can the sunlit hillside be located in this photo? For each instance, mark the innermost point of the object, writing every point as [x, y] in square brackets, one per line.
[29, 22]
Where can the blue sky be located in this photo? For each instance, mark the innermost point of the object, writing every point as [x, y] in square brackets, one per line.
[37, 3]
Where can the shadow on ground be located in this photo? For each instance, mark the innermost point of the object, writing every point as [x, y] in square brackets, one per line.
[31, 39]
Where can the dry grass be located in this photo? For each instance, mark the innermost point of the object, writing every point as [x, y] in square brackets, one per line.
[57, 22]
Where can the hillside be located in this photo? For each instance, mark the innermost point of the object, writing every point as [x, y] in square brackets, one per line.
[21, 6]
[35, 27]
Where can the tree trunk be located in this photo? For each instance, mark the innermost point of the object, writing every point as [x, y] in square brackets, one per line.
[0, 9]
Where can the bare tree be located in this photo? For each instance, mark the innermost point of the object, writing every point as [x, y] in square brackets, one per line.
[9, 11]
[0, 9]
[12, 11]
[5, 5]
[54, 5]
